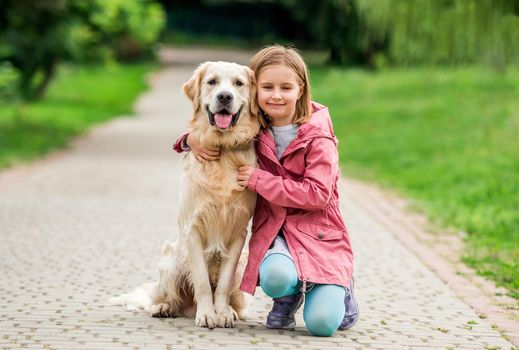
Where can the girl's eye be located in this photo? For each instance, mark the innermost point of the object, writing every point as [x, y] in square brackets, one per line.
[266, 87]
[239, 83]
[212, 82]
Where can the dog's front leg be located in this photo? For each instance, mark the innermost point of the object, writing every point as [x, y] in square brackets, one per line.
[205, 312]
[225, 313]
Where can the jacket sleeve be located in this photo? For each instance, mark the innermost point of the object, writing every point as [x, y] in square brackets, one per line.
[310, 193]
[181, 143]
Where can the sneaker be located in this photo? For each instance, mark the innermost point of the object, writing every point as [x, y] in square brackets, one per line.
[351, 315]
[282, 314]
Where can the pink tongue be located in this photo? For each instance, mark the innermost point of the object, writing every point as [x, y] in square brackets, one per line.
[222, 120]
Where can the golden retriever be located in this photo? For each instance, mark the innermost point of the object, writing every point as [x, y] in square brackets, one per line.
[202, 270]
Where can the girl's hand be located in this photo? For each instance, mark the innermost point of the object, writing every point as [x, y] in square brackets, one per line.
[244, 174]
[201, 154]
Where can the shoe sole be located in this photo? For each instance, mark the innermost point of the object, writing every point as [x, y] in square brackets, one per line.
[351, 324]
[356, 305]
[290, 327]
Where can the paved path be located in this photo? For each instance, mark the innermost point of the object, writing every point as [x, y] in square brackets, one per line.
[86, 224]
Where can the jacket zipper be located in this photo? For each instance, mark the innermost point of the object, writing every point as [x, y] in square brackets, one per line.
[303, 287]
[303, 278]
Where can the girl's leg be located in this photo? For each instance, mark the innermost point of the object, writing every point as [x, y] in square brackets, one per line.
[278, 279]
[324, 309]
[278, 276]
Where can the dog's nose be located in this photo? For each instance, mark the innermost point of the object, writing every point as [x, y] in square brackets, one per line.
[224, 97]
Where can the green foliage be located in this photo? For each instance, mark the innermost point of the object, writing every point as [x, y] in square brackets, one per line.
[447, 138]
[127, 28]
[404, 32]
[335, 25]
[32, 35]
[78, 98]
[35, 35]
[446, 32]
[8, 78]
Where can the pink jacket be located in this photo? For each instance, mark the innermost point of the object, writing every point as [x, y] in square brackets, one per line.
[298, 193]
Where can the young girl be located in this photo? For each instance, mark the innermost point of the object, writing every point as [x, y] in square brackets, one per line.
[299, 247]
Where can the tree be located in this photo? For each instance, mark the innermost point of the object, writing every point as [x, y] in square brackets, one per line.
[32, 40]
[337, 26]
[35, 35]
[446, 31]
[413, 32]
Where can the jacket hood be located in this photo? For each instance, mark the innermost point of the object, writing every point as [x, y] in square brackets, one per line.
[319, 124]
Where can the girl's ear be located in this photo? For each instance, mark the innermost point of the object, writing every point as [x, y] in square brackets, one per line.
[192, 87]
[253, 94]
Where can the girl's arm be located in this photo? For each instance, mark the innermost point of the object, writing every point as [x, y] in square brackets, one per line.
[186, 143]
[310, 193]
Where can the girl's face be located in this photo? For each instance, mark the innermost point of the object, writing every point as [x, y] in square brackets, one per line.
[278, 92]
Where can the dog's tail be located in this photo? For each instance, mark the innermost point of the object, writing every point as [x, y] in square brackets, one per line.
[145, 296]
[140, 298]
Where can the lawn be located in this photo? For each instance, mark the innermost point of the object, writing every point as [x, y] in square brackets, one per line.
[448, 139]
[78, 98]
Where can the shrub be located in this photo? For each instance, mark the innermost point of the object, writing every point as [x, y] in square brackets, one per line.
[35, 35]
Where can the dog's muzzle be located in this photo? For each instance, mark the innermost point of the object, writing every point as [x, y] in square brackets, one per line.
[223, 119]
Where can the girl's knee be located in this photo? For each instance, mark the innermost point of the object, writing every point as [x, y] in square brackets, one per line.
[278, 276]
[324, 309]
[321, 325]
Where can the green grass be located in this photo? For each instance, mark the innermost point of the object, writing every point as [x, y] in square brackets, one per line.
[78, 98]
[446, 138]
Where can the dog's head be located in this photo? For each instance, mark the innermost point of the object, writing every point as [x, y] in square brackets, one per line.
[223, 93]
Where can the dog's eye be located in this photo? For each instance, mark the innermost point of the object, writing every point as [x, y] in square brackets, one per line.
[239, 83]
[212, 82]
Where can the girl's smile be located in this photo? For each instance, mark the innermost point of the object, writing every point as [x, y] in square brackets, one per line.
[276, 105]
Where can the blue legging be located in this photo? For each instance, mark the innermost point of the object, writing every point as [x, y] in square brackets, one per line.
[324, 304]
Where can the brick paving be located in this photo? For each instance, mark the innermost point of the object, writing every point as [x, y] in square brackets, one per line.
[87, 223]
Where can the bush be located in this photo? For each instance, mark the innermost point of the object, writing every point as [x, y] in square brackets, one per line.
[117, 29]
[35, 35]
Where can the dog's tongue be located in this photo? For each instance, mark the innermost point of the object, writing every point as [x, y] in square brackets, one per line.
[222, 120]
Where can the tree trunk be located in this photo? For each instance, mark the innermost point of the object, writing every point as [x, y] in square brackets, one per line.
[48, 72]
[34, 91]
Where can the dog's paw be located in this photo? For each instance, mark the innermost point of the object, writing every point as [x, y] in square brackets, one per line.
[161, 310]
[206, 318]
[226, 317]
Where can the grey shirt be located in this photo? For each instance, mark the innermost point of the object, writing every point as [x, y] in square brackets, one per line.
[283, 135]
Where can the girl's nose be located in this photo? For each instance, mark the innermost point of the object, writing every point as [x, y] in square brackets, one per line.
[276, 95]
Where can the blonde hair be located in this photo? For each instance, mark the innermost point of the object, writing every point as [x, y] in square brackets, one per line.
[290, 57]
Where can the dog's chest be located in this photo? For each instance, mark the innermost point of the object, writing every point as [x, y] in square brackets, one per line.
[214, 202]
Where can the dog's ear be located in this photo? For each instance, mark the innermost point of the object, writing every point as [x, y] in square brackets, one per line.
[168, 248]
[191, 88]
[253, 92]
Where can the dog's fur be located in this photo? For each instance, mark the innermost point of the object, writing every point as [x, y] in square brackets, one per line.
[202, 270]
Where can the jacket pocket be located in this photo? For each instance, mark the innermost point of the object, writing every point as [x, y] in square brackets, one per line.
[319, 232]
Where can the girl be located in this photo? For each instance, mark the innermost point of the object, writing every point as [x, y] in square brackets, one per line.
[299, 247]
